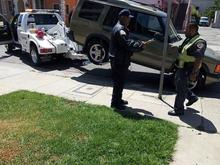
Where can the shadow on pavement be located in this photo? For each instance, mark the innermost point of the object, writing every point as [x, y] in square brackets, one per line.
[3, 57]
[140, 81]
[210, 91]
[198, 122]
[135, 114]
[59, 64]
[143, 81]
[192, 118]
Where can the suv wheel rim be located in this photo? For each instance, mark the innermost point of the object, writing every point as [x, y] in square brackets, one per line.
[97, 53]
[34, 56]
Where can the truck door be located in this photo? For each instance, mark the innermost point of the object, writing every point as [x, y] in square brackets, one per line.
[20, 29]
[23, 32]
[5, 31]
[14, 25]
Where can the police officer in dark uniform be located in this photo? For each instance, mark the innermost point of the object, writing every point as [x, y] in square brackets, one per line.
[121, 49]
[190, 58]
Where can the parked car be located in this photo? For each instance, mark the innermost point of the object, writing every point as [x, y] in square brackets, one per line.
[92, 23]
[40, 33]
[204, 21]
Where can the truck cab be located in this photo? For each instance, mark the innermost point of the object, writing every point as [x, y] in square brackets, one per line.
[28, 31]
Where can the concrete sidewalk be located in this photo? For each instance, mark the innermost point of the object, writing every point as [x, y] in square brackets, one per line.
[199, 138]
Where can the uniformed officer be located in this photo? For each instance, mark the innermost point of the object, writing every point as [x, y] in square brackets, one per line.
[121, 49]
[190, 58]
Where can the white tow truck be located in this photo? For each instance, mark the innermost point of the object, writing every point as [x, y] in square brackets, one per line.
[40, 33]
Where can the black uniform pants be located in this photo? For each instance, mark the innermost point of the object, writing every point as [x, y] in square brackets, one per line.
[183, 93]
[119, 75]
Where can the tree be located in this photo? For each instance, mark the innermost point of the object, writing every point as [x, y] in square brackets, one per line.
[210, 12]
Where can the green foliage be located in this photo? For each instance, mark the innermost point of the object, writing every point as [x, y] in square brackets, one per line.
[41, 129]
[194, 12]
[210, 12]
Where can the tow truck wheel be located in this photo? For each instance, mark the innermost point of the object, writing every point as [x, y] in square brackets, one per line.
[35, 58]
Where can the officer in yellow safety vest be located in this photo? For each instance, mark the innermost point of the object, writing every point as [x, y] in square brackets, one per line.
[190, 58]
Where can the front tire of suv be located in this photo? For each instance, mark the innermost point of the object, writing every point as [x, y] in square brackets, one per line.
[97, 52]
[35, 57]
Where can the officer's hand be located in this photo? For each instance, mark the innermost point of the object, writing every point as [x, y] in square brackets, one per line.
[148, 42]
[192, 77]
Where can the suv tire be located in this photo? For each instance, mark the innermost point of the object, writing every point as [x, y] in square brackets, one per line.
[97, 51]
[200, 82]
[35, 57]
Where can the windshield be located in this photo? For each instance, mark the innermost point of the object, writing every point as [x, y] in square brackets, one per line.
[204, 18]
[44, 19]
[173, 36]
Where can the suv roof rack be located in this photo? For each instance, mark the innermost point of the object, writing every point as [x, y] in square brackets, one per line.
[42, 10]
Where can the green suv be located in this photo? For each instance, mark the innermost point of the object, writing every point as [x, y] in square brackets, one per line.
[92, 23]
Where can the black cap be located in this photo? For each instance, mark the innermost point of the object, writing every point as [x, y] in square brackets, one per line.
[125, 12]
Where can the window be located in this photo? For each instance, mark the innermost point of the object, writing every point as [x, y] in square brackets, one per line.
[56, 6]
[20, 19]
[173, 36]
[112, 18]
[147, 24]
[1, 24]
[91, 10]
[44, 19]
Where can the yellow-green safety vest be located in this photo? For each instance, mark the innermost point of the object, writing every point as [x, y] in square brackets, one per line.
[183, 56]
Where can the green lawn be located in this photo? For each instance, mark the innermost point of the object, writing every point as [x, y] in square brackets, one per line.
[41, 129]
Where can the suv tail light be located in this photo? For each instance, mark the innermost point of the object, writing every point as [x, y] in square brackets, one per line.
[217, 68]
[45, 50]
[40, 34]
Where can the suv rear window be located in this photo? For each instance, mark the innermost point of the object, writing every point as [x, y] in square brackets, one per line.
[91, 10]
[44, 19]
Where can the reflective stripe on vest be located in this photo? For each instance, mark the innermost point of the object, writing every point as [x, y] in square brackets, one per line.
[184, 57]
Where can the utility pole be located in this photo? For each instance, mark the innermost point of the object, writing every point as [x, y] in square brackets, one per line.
[165, 49]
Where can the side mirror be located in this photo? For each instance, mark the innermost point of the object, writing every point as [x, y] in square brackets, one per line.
[159, 37]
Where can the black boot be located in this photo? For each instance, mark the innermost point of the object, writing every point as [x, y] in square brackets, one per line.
[124, 102]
